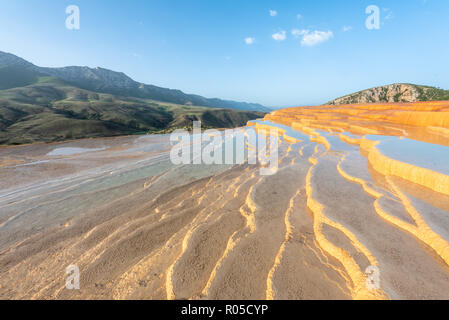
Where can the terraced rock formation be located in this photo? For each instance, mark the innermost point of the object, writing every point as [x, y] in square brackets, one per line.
[358, 209]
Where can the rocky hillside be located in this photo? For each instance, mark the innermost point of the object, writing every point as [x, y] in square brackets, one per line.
[398, 92]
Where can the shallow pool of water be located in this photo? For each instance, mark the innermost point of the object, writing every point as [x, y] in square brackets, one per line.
[288, 130]
[71, 151]
[421, 154]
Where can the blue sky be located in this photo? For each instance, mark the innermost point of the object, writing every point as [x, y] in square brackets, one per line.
[235, 49]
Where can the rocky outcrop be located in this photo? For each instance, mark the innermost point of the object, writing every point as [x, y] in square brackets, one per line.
[398, 92]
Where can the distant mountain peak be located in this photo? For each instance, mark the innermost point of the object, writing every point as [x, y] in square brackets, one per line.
[9, 59]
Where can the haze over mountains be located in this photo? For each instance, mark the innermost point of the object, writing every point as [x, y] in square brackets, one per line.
[107, 81]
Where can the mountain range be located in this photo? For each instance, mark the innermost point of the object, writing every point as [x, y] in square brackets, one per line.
[107, 81]
[53, 104]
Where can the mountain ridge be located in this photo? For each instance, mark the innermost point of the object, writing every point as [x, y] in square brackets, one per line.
[118, 83]
[54, 104]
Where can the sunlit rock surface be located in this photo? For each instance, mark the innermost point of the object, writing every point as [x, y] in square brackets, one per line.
[359, 188]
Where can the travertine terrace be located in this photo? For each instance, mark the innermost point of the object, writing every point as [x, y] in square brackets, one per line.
[359, 188]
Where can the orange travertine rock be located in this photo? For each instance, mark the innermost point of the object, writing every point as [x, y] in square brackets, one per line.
[421, 121]
[357, 208]
[408, 141]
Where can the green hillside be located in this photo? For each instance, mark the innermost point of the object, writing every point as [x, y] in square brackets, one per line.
[15, 76]
[427, 93]
[51, 110]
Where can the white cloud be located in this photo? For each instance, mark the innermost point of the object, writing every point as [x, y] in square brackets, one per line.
[347, 28]
[280, 36]
[273, 13]
[299, 16]
[390, 14]
[312, 38]
[297, 33]
[250, 40]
